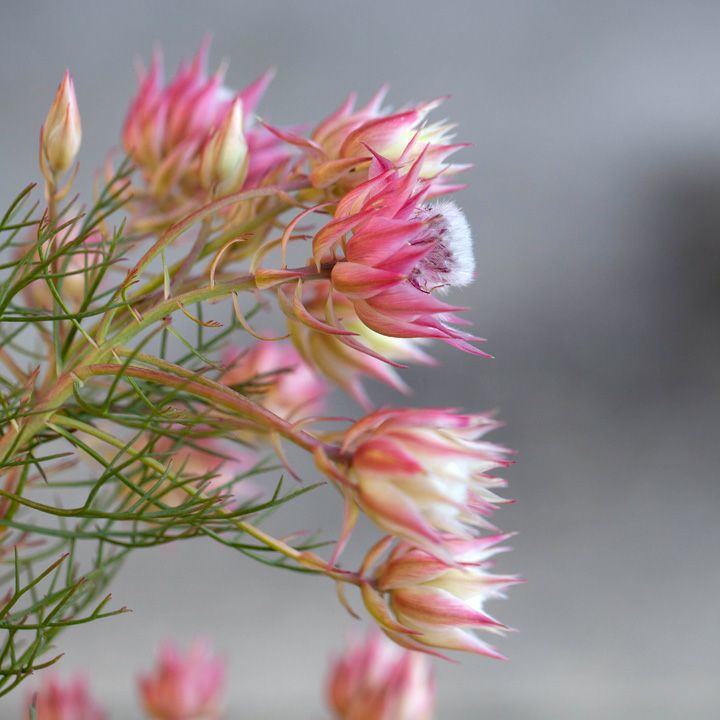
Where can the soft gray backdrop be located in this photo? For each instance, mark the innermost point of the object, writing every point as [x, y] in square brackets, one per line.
[596, 207]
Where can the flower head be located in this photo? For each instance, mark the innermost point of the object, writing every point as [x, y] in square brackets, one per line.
[184, 687]
[168, 127]
[423, 603]
[62, 132]
[346, 365]
[423, 475]
[376, 680]
[396, 251]
[285, 383]
[64, 701]
[339, 149]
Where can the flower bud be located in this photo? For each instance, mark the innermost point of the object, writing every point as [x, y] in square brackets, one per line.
[62, 133]
[224, 159]
[424, 603]
[184, 687]
[376, 680]
[70, 701]
[423, 474]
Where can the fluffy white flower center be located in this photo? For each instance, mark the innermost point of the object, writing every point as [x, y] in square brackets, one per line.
[450, 263]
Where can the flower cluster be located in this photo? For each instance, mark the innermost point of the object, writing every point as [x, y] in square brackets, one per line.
[373, 679]
[178, 427]
[182, 686]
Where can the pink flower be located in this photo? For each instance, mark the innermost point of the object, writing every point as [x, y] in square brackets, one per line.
[423, 603]
[167, 127]
[62, 132]
[64, 701]
[397, 250]
[342, 363]
[273, 370]
[184, 687]
[337, 150]
[423, 474]
[376, 680]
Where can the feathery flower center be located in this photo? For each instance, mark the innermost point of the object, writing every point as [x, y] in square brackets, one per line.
[450, 262]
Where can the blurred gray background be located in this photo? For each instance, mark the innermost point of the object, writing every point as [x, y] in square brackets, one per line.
[595, 201]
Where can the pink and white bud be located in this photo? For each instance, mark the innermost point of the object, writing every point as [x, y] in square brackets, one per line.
[344, 365]
[224, 159]
[62, 132]
[274, 371]
[423, 603]
[423, 475]
[71, 700]
[376, 680]
[184, 687]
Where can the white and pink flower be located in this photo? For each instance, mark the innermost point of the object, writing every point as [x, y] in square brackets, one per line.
[424, 474]
[424, 603]
[184, 686]
[377, 680]
[388, 251]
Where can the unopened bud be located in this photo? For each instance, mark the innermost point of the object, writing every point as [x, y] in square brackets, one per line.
[224, 161]
[62, 133]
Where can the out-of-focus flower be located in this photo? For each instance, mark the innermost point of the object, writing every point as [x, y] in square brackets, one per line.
[344, 365]
[77, 266]
[167, 128]
[337, 150]
[423, 603]
[184, 687]
[423, 474]
[285, 383]
[62, 132]
[397, 250]
[376, 680]
[64, 701]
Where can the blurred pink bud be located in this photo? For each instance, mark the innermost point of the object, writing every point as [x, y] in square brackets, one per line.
[273, 370]
[423, 603]
[62, 133]
[376, 680]
[184, 687]
[64, 701]
[167, 127]
[224, 159]
[423, 474]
